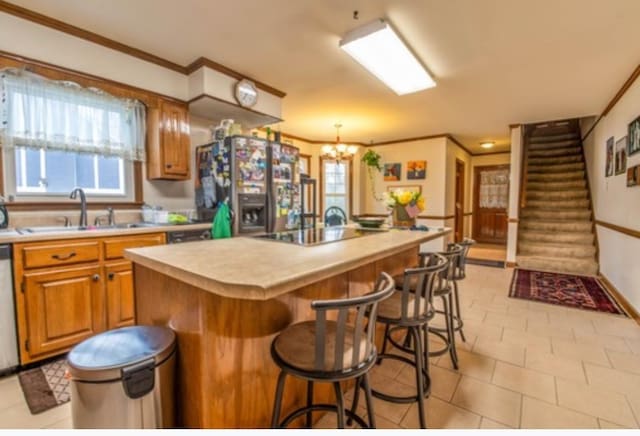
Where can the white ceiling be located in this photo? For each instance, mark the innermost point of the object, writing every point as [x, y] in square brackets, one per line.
[496, 62]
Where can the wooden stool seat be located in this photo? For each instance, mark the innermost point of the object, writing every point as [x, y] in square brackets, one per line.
[391, 308]
[295, 345]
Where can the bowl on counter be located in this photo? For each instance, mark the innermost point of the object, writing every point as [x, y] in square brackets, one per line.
[370, 222]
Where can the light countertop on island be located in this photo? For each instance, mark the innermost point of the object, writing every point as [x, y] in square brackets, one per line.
[258, 269]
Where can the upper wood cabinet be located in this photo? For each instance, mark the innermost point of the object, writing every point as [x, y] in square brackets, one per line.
[168, 142]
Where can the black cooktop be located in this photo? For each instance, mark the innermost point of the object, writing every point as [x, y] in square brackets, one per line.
[318, 236]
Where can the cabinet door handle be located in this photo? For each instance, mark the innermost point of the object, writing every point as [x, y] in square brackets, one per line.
[169, 166]
[68, 256]
[96, 277]
[111, 276]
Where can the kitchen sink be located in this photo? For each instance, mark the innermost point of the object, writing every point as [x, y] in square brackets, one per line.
[62, 229]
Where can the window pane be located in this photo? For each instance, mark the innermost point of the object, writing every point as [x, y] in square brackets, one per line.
[85, 171]
[341, 202]
[60, 171]
[32, 158]
[108, 172]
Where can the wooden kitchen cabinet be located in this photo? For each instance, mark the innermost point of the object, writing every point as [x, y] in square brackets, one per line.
[120, 295]
[68, 290]
[168, 142]
[62, 308]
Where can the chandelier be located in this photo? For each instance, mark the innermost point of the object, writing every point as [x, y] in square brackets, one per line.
[339, 151]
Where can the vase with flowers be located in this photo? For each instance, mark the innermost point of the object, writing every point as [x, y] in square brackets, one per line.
[404, 206]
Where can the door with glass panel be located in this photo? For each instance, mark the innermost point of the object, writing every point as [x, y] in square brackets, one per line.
[336, 185]
[491, 200]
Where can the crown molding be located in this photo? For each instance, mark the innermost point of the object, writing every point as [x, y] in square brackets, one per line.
[45, 20]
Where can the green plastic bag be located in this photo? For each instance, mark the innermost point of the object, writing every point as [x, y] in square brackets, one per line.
[221, 227]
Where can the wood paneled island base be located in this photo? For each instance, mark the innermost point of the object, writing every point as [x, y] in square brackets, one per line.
[225, 375]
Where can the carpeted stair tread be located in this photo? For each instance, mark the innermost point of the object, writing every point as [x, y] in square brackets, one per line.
[554, 138]
[567, 237]
[545, 160]
[557, 195]
[553, 145]
[557, 215]
[555, 185]
[568, 151]
[552, 249]
[556, 226]
[587, 267]
[555, 167]
[570, 203]
[569, 175]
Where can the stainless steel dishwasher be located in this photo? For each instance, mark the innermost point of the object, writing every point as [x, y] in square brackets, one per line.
[8, 341]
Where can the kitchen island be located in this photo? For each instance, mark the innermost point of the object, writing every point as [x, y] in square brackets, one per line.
[227, 299]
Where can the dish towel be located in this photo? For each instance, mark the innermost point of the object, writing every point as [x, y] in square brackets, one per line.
[221, 227]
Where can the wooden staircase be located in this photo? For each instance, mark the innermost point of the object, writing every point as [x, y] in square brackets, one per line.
[556, 231]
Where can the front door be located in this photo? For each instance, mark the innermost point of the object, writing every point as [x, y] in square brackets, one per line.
[491, 200]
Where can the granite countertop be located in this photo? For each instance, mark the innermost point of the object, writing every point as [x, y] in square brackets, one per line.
[259, 269]
[11, 236]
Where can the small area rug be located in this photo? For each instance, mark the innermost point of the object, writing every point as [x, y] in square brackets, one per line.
[46, 386]
[580, 292]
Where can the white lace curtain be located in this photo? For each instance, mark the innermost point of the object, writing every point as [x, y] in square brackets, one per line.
[41, 113]
[494, 189]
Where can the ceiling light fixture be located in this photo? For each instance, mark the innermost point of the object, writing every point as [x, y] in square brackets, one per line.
[487, 144]
[338, 152]
[378, 48]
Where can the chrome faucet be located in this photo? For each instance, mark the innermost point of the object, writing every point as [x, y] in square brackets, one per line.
[83, 205]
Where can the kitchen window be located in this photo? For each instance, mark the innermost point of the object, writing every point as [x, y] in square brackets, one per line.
[57, 135]
[336, 184]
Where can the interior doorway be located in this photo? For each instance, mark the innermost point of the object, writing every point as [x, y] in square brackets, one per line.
[490, 203]
[459, 204]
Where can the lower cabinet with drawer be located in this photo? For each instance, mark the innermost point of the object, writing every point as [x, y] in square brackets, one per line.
[69, 290]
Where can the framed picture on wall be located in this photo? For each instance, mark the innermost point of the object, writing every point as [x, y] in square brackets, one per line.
[633, 176]
[608, 172]
[392, 172]
[621, 155]
[410, 188]
[634, 137]
[416, 169]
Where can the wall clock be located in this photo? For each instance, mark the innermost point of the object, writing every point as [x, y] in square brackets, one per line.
[246, 93]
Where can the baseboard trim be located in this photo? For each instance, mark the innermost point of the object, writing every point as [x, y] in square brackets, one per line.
[617, 295]
[511, 264]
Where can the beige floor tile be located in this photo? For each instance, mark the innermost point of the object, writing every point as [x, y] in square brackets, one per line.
[583, 352]
[443, 381]
[488, 400]
[471, 364]
[634, 402]
[599, 403]
[545, 329]
[388, 368]
[540, 414]
[625, 361]
[391, 411]
[610, 425]
[556, 365]
[526, 381]
[19, 416]
[473, 314]
[634, 345]
[608, 342]
[487, 423]
[65, 423]
[576, 322]
[440, 414]
[514, 322]
[617, 326]
[10, 392]
[499, 350]
[540, 343]
[612, 379]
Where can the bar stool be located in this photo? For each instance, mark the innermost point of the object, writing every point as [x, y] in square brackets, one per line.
[444, 289]
[460, 274]
[330, 351]
[410, 308]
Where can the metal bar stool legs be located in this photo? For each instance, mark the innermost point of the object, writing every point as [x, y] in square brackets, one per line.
[447, 334]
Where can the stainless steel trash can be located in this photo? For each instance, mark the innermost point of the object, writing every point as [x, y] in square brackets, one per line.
[124, 378]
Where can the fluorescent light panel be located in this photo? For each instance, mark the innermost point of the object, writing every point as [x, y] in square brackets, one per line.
[378, 48]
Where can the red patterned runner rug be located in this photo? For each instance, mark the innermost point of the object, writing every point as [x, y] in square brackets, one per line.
[568, 290]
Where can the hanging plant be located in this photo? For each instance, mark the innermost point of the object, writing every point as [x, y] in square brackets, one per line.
[372, 160]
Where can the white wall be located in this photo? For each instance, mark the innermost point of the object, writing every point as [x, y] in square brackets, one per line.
[613, 202]
[514, 192]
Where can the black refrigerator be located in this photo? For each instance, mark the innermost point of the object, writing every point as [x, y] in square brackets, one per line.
[258, 178]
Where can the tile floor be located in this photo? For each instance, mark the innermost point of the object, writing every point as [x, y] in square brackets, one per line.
[524, 365]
